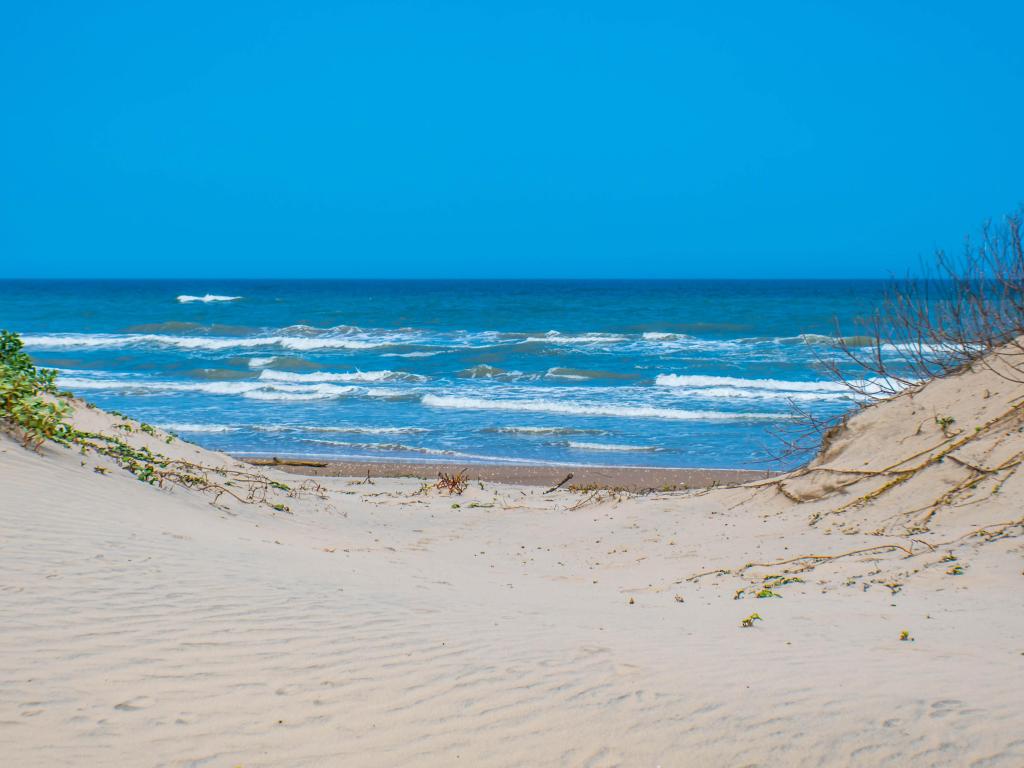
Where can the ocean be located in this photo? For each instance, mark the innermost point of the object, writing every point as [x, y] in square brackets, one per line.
[644, 373]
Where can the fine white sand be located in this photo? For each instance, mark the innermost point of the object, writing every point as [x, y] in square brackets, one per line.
[383, 626]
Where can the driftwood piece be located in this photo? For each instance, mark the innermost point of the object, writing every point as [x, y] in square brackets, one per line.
[565, 480]
[276, 462]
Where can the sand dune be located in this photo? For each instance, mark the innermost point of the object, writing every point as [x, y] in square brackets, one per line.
[381, 625]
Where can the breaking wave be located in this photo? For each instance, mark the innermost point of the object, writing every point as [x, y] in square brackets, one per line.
[554, 337]
[624, 411]
[544, 431]
[187, 299]
[354, 376]
[612, 447]
[676, 380]
[254, 390]
[199, 428]
[128, 340]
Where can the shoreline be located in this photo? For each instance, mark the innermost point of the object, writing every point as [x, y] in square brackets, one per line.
[541, 475]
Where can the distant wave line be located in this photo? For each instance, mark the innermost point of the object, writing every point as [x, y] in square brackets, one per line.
[187, 299]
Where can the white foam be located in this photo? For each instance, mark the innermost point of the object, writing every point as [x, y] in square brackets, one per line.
[412, 354]
[122, 340]
[928, 350]
[426, 452]
[261, 362]
[735, 393]
[391, 447]
[254, 390]
[625, 411]
[211, 428]
[339, 430]
[729, 387]
[611, 447]
[275, 395]
[659, 336]
[554, 337]
[372, 430]
[545, 431]
[676, 380]
[551, 374]
[328, 342]
[355, 376]
[186, 299]
[146, 385]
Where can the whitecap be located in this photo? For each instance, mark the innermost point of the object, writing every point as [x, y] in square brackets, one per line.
[119, 341]
[276, 395]
[254, 390]
[413, 354]
[554, 337]
[187, 299]
[677, 380]
[611, 447]
[339, 430]
[625, 411]
[544, 431]
[661, 336]
[390, 447]
[197, 428]
[354, 376]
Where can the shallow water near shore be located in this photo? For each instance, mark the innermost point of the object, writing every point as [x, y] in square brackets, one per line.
[633, 373]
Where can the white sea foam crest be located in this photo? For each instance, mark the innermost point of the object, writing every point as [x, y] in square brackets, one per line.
[205, 428]
[545, 431]
[372, 430]
[625, 411]
[662, 336]
[354, 376]
[555, 373]
[120, 340]
[426, 452]
[677, 380]
[555, 337]
[338, 430]
[729, 386]
[922, 348]
[254, 390]
[401, 447]
[611, 447]
[261, 362]
[187, 299]
[413, 354]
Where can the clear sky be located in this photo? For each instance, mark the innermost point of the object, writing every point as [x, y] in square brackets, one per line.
[511, 139]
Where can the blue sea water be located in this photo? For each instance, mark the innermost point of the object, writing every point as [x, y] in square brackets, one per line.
[651, 373]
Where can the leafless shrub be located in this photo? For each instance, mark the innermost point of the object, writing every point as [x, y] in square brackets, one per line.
[803, 434]
[962, 311]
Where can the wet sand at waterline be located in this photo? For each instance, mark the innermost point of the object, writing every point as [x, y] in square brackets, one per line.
[582, 476]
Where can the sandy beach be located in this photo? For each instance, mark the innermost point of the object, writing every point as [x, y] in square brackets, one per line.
[273, 620]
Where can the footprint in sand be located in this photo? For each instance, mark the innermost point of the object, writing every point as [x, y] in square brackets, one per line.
[133, 705]
[945, 707]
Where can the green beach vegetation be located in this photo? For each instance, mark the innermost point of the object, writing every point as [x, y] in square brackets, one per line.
[29, 403]
[35, 411]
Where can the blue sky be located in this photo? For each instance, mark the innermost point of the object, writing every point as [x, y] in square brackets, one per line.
[473, 139]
